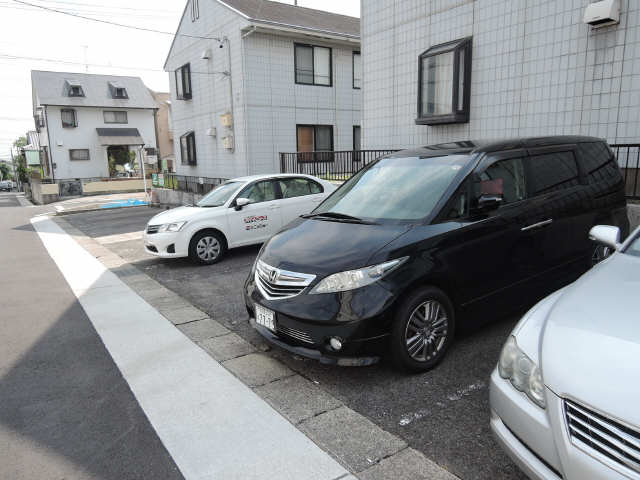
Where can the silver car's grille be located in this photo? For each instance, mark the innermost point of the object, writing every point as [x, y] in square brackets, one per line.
[295, 334]
[151, 229]
[276, 284]
[608, 437]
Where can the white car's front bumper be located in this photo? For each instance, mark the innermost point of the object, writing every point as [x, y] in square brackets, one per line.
[536, 439]
[166, 244]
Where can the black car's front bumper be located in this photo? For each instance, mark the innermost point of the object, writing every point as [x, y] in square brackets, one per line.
[306, 323]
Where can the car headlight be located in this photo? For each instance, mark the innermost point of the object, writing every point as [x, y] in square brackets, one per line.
[523, 374]
[172, 227]
[352, 279]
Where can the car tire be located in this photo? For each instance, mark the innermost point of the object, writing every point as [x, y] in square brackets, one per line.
[207, 247]
[423, 328]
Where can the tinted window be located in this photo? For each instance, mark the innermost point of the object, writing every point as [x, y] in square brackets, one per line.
[298, 187]
[458, 206]
[505, 178]
[597, 161]
[551, 172]
[260, 192]
[396, 188]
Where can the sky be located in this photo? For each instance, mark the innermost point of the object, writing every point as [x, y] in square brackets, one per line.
[36, 39]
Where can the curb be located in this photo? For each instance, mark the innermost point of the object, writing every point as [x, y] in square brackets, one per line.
[358, 444]
[62, 213]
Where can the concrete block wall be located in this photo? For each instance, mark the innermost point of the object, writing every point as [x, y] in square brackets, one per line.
[536, 70]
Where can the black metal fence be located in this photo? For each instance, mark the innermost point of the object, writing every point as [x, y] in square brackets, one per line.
[329, 165]
[186, 183]
[628, 156]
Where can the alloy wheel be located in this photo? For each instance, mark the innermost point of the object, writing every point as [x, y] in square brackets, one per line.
[208, 248]
[426, 331]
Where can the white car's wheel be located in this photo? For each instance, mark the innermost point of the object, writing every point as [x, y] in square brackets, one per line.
[207, 247]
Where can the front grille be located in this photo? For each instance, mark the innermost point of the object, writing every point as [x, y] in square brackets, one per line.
[608, 437]
[295, 334]
[276, 284]
[151, 229]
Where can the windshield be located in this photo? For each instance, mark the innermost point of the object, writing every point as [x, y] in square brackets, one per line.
[395, 188]
[634, 247]
[219, 195]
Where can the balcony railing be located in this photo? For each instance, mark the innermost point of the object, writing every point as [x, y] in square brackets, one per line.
[628, 156]
[186, 183]
[329, 165]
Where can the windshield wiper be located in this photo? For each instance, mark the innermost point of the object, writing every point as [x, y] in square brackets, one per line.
[338, 217]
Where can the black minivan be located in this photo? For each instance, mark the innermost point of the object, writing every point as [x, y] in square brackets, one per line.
[425, 242]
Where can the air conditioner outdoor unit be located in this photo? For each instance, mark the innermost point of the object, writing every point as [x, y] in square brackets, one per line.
[602, 13]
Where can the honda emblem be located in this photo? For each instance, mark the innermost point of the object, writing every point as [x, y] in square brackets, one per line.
[273, 276]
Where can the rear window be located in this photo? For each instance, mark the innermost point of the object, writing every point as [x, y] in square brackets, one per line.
[598, 162]
[551, 172]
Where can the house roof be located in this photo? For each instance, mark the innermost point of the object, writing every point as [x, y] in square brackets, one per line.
[51, 88]
[293, 16]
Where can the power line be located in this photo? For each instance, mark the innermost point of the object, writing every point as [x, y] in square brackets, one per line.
[108, 22]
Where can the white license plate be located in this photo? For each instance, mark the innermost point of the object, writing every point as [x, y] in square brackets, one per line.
[265, 317]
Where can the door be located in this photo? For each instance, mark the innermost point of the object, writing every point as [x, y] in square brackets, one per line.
[260, 219]
[299, 196]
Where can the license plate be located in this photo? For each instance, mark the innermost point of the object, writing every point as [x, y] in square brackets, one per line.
[266, 317]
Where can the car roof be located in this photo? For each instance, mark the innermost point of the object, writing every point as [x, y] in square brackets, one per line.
[252, 178]
[486, 146]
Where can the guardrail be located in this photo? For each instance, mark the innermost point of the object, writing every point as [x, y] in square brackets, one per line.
[329, 165]
[628, 156]
[186, 183]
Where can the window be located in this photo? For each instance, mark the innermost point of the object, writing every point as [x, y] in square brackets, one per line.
[150, 151]
[313, 65]
[356, 138]
[551, 172]
[357, 70]
[315, 138]
[188, 148]
[599, 162]
[444, 83]
[298, 187]
[195, 10]
[115, 116]
[79, 154]
[74, 90]
[504, 178]
[69, 119]
[183, 82]
[458, 206]
[259, 192]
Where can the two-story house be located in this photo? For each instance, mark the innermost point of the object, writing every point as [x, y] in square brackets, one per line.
[93, 125]
[253, 78]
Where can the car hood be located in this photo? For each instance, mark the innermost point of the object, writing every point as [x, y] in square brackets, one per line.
[591, 342]
[323, 247]
[181, 214]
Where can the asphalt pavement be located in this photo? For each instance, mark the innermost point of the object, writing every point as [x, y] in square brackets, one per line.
[443, 413]
[65, 410]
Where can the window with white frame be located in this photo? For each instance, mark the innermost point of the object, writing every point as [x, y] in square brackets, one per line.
[79, 154]
[444, 83]
[357, 70]
[69, 119]
[313, 65]
[115, 116]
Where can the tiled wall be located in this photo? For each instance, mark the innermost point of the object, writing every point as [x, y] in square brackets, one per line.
[537, 70]
[276, 104]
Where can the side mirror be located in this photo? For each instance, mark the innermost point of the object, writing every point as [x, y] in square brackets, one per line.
[606, 235]
[489, 202]
[242, 202]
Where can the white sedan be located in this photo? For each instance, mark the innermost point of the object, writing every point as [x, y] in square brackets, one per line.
[242, 211]
[564, 397]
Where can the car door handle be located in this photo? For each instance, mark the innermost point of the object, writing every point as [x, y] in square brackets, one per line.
[537, 225]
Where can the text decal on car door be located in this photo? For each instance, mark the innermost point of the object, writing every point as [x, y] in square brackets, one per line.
[256, 222]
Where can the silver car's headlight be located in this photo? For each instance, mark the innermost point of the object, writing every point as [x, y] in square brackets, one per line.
[352, 279]
[172, 227]
[523, 374]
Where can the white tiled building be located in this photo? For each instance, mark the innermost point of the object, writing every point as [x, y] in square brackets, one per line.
[83, 119]
[536, 69]
[242, 97]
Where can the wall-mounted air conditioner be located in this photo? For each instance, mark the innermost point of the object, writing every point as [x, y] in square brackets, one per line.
[602, 13]
[212, 132]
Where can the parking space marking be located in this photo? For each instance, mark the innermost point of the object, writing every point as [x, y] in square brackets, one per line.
[212, 424]
[122, 237]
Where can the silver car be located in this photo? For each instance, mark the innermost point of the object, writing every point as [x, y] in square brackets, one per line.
[566, 392]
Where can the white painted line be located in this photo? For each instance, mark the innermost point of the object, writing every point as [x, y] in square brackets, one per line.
[123, 237]
[212, 424]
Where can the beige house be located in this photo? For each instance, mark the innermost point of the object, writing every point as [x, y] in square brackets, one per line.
[164, 133]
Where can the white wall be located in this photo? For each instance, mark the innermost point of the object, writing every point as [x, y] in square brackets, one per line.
[537, 70]
[210, 91]
[85, 136]
[276, 104]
